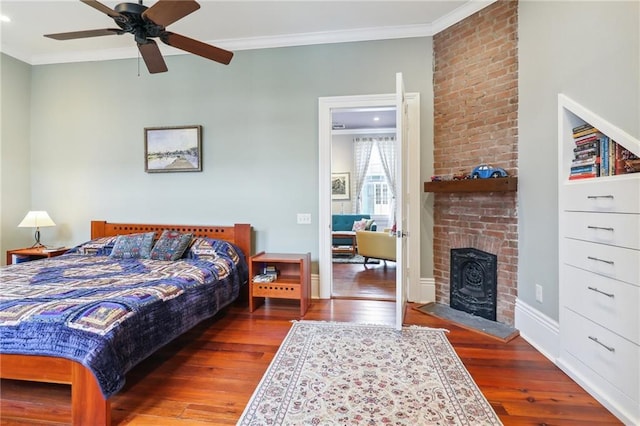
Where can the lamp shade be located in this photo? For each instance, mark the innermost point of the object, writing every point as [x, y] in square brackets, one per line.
[36, 219]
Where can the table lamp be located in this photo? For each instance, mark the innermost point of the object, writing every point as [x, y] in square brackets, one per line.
[36, 219]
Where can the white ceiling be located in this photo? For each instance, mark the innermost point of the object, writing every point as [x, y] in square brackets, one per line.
[232, 25]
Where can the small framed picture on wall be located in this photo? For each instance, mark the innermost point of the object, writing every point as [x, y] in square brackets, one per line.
[173, 149]
[340, 186]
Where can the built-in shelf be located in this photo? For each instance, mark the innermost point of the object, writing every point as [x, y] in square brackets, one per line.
[508, 184]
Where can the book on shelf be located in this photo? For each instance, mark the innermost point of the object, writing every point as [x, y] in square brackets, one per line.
[586, 161]
[582, 127]
[591, 137]
[586, 132]
[595, 155]
[582, 176]
[592, 168]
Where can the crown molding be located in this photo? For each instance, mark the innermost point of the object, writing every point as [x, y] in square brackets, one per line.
[287, 40]
[460, 14]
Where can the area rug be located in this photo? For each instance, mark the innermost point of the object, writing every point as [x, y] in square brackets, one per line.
[352, 259]
[353, 374]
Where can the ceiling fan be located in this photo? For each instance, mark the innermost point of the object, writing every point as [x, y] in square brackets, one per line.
[148, 22]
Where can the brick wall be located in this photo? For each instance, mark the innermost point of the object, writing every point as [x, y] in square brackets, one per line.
[475, 120]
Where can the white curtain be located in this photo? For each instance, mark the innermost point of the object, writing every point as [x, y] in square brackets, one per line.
[387, 150]
[361, 155]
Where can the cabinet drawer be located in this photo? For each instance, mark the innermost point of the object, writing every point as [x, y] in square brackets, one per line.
[610, 303]
[615, 359]
[620, 263]
[613, 194]
[276, 290]
[617, 229]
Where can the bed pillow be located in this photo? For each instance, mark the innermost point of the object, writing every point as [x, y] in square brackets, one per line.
[97, 247]
[133, 246]
[170, 246]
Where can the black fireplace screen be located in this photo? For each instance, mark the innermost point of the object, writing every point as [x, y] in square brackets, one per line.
[474, 281]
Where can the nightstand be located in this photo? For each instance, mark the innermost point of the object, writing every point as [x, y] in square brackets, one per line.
[32, 253]
[292, 278]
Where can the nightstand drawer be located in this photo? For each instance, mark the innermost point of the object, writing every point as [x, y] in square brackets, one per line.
[610, 303]
[614, 194]
[620, 263]
[607, 228]
[609, 355]
[287, 291]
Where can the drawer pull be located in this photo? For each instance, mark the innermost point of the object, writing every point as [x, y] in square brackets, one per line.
[595, 197]
[610, 262]
[599, 227]
[609, 348]
[600, 291]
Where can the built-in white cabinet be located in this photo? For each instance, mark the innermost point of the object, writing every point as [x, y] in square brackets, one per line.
[599, 277]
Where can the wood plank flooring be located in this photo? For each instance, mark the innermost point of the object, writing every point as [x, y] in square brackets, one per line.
[207, 376]
[358, 281]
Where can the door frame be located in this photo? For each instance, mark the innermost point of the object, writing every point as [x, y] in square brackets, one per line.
[325, 107]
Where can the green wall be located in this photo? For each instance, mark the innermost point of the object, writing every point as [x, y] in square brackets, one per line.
[260, 136]
[15, 176]
[590, 51]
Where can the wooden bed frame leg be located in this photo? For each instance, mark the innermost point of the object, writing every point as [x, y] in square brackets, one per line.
[88, 406]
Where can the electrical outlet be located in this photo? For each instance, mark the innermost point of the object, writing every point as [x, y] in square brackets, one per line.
[304, 218]
[538, 293]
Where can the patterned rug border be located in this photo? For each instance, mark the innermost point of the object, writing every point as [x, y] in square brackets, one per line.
[460, 418]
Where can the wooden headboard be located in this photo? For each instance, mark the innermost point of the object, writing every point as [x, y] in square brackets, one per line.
[239, 234]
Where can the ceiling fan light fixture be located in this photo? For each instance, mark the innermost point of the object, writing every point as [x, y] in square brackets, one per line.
[151, 22]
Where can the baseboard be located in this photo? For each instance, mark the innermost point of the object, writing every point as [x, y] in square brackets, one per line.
[426, 291]
[315, 286]
[542, 332]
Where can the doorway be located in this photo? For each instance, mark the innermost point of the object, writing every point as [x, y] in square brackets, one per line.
[365, 103]
[363, 153]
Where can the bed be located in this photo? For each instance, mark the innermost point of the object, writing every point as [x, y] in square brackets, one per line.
[115, 310]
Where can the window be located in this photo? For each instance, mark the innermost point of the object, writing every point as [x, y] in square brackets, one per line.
[376, 196]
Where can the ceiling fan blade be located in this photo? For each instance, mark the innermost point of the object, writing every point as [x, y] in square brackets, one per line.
[166, 12]
[102, 8]
[152, 57]
[84, 34]
[197, 47]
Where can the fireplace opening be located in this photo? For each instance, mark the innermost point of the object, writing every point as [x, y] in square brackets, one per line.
[474, 282]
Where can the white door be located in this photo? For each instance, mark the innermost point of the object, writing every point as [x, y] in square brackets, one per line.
[401, 199]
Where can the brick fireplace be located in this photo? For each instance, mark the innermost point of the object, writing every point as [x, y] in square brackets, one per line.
[475, 122]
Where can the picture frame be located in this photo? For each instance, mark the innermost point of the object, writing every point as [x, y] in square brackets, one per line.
[340, 186]
[173, 149]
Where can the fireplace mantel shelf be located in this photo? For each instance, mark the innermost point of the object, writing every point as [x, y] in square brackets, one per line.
[507, 184]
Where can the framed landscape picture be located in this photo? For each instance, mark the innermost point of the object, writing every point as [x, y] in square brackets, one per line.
[340, 186]
[173, 149]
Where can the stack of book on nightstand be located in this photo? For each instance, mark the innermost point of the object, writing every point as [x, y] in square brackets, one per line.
[264, 278]
[269, 275]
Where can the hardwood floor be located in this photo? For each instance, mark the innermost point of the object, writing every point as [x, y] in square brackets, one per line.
[357, 281]
[207, 376]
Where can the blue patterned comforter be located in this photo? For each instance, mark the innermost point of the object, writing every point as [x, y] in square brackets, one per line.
[109, 314]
